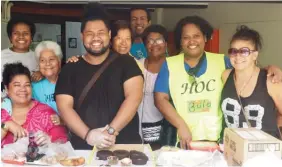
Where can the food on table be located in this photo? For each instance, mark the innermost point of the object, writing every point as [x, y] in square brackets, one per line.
[49, 160]
[61, 156]
[127, 158]
[126, 162]
[104, 154]
[32, 149]
[9, 157]
[138, 158]
[73, 161]
[169, 148]
[121, 154]
[203, 146]
[112, 160]
[14, 158]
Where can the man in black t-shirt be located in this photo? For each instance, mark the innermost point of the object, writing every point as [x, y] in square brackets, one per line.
[112, 101]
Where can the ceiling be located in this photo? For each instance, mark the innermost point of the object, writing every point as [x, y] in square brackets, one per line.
[133, 3]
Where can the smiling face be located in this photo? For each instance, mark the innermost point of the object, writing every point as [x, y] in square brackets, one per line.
[239, 61]
[96, 37]
[192, 40]
[49, 63]
[139, 21]
[156, 45]
[21, 38]
[19, 89]
[122, 41]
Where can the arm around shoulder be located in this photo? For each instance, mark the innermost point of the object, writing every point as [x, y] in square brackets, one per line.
[275, 91]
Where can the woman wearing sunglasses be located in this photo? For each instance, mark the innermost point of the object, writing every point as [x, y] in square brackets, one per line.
[249, 98]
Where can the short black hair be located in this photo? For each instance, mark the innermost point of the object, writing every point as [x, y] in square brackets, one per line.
[155, 28]
[119, 25]
[14, 21]
[203, 25]
[144, 9]
[94, 11]
[13, 69]
[245, 33]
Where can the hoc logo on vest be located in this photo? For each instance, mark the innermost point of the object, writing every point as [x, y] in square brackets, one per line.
[200, 105]
[198, 87]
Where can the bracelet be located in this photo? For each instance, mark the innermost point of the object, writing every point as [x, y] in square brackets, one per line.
[87, 134]
[4, 127]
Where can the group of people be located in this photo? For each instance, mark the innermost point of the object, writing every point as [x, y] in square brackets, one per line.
[126, 86]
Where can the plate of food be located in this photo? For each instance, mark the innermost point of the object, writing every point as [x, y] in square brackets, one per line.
[73, 161]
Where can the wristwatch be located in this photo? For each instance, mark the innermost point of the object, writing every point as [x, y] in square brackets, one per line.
[111, 130]
[4, 127]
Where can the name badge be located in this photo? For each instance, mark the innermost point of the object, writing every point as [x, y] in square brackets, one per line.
[199, 105]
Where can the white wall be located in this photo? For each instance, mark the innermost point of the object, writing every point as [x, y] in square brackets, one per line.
[73, 31]
[48, 31]
[265, 18]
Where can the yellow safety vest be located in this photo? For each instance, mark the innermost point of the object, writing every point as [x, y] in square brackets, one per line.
[198, 102]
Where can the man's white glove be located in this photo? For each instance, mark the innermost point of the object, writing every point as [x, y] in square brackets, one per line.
[100, 138]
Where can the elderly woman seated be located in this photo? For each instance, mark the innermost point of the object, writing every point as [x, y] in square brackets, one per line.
[27, 115]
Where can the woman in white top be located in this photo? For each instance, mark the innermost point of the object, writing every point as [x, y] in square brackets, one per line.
[155, 39]
[20, 33]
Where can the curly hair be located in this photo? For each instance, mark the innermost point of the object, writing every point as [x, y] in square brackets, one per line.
[155, 28]
[203, 25]
[94, 11]
[13, 69]
[14, 21]
[245, 33]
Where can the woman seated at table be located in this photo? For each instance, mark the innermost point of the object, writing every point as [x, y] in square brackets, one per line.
[49, 56]
[27, 115]
[249, 98]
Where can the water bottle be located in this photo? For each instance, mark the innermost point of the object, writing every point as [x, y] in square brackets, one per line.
[32, 149]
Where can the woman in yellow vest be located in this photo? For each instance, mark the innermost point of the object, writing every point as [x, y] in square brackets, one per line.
[192, 79]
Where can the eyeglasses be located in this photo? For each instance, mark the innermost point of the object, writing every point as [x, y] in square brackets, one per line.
[155, 41]
[242, 52]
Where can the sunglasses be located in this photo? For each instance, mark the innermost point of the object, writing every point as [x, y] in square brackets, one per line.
[242, 52]
[155, 41]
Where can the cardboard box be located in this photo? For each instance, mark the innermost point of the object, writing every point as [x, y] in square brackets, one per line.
[241, 144]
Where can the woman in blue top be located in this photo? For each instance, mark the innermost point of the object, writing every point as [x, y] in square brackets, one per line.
[49, 56]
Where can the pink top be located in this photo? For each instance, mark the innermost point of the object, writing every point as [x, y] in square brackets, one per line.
[38, 118]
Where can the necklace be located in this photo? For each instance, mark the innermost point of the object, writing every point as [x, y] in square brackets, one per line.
[245, 84]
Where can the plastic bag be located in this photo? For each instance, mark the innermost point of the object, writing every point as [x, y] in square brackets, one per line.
[15, 151]
[56, 152]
